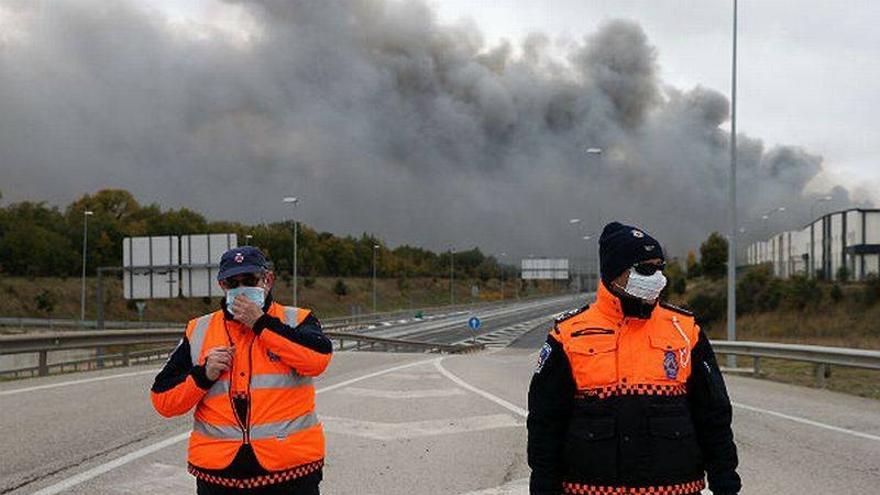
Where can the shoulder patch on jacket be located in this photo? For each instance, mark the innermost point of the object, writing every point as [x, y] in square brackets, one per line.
[675, 308]
[571, 313]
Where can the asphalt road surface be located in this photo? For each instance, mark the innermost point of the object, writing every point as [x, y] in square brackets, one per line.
[409, 423]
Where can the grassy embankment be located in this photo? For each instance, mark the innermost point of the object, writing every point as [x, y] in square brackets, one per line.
[819, 314]
[43, 297]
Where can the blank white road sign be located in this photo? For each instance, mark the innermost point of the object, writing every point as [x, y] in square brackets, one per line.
[200, 260]
[150, 267]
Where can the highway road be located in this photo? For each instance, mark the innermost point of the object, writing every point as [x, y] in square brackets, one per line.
[410, 423]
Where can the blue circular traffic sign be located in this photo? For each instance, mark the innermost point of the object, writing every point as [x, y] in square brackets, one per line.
[474, 323]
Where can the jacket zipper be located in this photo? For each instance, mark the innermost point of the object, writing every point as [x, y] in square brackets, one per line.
[245, 430]
[250, 408]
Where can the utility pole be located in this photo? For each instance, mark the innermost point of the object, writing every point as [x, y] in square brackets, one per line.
[291, 200]
[731, 245]
[375, 248]
[82, 295]
[451, 276]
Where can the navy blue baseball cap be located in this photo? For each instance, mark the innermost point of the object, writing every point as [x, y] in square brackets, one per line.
[245, 259]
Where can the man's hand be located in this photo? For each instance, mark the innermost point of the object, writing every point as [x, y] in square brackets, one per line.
[246, 311]
[218, 360]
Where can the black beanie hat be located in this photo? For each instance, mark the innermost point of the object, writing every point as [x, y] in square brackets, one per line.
[622, 246]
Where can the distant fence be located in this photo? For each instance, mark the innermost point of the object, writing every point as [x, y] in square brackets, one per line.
[339, 321]
[821, 356]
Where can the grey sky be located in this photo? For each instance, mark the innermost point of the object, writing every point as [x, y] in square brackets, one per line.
[395, 118]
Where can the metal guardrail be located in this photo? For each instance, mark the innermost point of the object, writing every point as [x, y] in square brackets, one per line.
[822, 357]
[44, 343]
[336, 322]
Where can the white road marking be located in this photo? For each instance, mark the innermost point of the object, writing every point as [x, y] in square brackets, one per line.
[402, 394]
[100, 469]
[809, 422]
[494, 398]
[414, 429]
[415, 376]
[76, 382]
[109, 466]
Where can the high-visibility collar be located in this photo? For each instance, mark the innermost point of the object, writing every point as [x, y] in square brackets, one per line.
[608, 304]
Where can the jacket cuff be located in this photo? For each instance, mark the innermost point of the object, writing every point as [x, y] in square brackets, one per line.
[266, 321]
[201, 378]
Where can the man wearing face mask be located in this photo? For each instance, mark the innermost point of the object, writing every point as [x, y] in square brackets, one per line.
[627, 397]
[247, 370]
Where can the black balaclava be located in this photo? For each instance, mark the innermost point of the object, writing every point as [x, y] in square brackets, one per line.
[620, 247]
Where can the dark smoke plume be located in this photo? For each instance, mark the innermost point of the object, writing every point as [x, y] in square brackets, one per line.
[381, 119]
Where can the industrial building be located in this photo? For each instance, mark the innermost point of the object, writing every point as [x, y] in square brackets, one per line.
[848, 238]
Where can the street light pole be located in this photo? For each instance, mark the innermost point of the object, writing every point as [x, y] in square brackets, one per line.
[294, 201]
[597, 152]
[82, 295]
[731, 246]
[375, 248]
[503, 255]
[451, 276]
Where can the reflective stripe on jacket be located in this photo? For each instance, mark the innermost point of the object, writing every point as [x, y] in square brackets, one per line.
[272, 370]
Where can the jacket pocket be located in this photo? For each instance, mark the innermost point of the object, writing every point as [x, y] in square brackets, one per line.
[675, 453]
[664, 360]
[594, 361]
[590, 453]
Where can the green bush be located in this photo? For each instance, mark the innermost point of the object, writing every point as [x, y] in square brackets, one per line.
[309, 282]
[836, 293]
[871, 290]
[800, 292]
[713, 256]
[45, 301]
[708, 307]
[676, 279]
[340, 289]
[843, 274]
[758, 291]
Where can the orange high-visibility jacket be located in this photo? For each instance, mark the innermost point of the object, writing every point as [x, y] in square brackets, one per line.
[272, 369]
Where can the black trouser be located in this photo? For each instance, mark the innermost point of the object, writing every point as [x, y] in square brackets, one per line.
[307, 485]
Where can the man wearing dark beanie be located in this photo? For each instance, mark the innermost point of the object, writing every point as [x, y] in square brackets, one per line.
[627, 396]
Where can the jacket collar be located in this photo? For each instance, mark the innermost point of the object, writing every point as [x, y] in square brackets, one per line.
[611, 306]
[608, 304]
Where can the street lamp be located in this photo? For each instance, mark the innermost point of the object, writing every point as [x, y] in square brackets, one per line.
[82, 295]
[375, 249]
[731, 207]
[294, 201]
[451, 276]
[594, 151]
[503, 255]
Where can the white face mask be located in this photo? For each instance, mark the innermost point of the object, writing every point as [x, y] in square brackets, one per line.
[645, 287]
[255, 294]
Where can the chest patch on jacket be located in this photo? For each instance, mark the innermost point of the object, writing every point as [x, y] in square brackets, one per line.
[670, 365]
